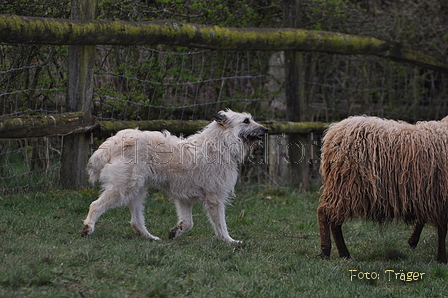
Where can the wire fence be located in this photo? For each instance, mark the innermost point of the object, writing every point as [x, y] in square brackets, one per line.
[179, 85]
[29, 164]
[147, 83]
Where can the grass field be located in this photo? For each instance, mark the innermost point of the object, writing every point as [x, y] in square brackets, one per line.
[43, 255]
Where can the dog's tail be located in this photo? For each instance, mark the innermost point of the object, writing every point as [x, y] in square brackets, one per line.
[107, 150]
[99, 159]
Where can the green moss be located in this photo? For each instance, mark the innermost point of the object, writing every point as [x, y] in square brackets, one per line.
[295, 127]
[35, 126]
[43, 31]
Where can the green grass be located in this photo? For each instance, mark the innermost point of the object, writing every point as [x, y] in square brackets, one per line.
[43, 255]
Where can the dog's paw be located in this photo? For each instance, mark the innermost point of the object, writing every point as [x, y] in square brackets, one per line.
[152, 237]
[175, 232]
[148, 235]
[230, 240]
[86, 230]
[179, 229]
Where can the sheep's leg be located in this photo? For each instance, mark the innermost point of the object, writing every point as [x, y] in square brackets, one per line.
[441, 250]
[415, 236]
[324, 229]
[339, 241]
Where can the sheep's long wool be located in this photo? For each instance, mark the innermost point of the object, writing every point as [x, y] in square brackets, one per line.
[382, 170]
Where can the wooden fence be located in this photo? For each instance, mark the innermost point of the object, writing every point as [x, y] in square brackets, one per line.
[83, 32]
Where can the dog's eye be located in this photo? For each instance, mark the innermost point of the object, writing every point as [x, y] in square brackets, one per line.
[246, 121]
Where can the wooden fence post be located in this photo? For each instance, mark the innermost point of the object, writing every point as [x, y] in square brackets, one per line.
[298, 147]
[81, 61]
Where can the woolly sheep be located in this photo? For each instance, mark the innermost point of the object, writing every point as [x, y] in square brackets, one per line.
[384, 170]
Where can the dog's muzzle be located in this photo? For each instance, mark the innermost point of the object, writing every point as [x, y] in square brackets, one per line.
[255, 135]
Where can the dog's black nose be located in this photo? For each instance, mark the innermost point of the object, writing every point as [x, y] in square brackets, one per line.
[265, 129]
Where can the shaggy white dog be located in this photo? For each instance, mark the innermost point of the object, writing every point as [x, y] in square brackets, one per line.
[201, 168]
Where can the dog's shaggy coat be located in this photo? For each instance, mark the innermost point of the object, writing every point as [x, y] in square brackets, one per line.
[384, 170]
[201, 168]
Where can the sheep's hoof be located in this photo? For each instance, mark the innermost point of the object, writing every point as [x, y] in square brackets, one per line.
[323, 256]
[412, 244]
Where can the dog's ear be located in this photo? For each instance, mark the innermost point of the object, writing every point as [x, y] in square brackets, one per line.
[220, 119]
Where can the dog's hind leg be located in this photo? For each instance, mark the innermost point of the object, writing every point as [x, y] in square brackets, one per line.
[110, 198]
[185, 218]
[137, 218]
[216, 214]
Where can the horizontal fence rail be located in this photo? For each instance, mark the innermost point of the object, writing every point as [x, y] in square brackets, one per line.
[17, 29]
[75, 122]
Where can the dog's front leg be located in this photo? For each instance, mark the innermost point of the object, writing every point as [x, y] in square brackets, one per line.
[216, 214]
[184, 209]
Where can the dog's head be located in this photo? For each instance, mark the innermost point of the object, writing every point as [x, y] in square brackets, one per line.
[242, 125]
